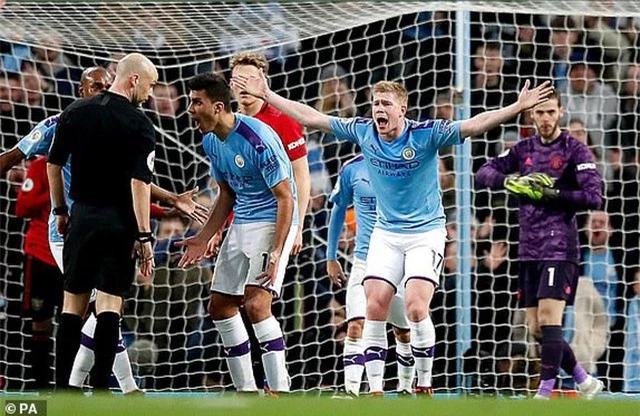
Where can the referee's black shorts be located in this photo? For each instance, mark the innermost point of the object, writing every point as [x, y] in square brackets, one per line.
[97, 250]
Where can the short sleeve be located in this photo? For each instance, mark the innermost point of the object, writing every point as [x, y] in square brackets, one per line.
[446, 133]
[342, 193]
[350, 129]
[62, 141]
[293, 140]
[271, 161]
[144, 152]
[38, 141]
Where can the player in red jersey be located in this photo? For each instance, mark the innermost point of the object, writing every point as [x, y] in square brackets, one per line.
[42, 278]
[289, 131]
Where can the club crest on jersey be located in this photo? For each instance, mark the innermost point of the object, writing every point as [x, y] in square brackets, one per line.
[408, 153]
[556, 162]
[35, 136]
[239, 161]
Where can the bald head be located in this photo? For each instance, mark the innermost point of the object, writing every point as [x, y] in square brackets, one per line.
[135, 77]
[94, 80]
[135, 63]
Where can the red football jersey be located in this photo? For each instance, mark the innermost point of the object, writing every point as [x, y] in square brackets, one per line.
[288, 129]
[33, 202]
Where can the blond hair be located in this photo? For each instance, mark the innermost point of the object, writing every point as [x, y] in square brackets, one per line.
[394, 87]
[250, 58]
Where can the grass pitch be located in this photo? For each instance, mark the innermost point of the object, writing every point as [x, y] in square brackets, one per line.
[231, 405]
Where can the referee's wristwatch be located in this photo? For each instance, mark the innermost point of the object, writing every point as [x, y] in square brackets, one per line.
[61, 210]
[145, 237]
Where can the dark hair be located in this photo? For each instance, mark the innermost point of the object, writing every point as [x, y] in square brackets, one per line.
[555, 95]
[214, 86]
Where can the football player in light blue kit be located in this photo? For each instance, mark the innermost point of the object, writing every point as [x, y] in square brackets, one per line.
[354, 188]
[407, 243]
[93, 81]
[255, 178]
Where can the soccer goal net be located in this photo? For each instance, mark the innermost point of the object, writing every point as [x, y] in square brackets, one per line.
[328, 54]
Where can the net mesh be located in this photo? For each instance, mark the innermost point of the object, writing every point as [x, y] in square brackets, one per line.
[327, 55]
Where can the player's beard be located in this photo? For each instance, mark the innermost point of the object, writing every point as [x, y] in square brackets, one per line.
[548, 135]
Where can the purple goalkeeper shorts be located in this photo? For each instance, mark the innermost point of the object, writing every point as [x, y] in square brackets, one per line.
[546, 280]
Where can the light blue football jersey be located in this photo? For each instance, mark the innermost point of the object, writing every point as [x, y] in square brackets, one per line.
[403, 172]
[251, 160]
[37, 143]
[354, 188]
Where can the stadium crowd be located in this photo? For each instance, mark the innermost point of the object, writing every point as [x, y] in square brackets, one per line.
[594, 62]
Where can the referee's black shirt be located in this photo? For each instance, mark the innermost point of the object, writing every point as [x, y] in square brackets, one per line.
[110, 141]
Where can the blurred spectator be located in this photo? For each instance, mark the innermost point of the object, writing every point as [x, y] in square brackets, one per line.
[335, 98]
[563, 39]
[632, 343]
[588, 325]
[578, 131]
[528, 52]
[517, 372]
[599, 263]
[490, 90]
[57, 68]
[590, 100]
[614, 44]
[629, 127]
[164, 100]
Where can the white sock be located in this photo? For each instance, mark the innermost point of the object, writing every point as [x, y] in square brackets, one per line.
[353, 362]
[272, 344]
[81, 366]
[406, 366]
[122, 369]
[423, 340]
[374, 337]
[237, 350]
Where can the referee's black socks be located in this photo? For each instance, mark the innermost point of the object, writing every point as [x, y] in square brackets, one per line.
[67, 345]
[105, 341]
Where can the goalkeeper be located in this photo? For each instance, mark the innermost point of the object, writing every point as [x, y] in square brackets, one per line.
[554, 176]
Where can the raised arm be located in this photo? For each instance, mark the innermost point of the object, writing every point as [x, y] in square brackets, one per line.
[488, 120]
[302, 113]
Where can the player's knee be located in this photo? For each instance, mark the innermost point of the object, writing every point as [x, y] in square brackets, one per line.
[402, 334]
[377, 308]
[258, 308]
[354, 329]
[221, 308]
[416, 310]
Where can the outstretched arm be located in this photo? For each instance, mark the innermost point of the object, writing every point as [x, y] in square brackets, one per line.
[302, 113]
[9, 159]
[488, 120]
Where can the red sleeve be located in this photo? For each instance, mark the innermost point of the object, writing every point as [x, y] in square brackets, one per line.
[293, 139]
[157, 211]
[33, 198]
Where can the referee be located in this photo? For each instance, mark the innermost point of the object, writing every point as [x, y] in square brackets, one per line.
[111, 144]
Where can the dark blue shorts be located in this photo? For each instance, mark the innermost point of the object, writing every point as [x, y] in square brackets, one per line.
[547, 280]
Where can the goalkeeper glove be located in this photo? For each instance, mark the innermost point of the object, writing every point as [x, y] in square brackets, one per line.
[522, 185]
[541, 179]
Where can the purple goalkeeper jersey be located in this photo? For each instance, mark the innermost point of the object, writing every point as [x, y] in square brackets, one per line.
[548, 229]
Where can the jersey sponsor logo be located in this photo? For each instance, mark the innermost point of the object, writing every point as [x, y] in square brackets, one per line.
[296, 144]
[408, 153]
[400, 169]
[151, 160]
[27, 185]
[556, 162]
[239, 161]
[368, 202]
[586, 166]
[35, 136]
